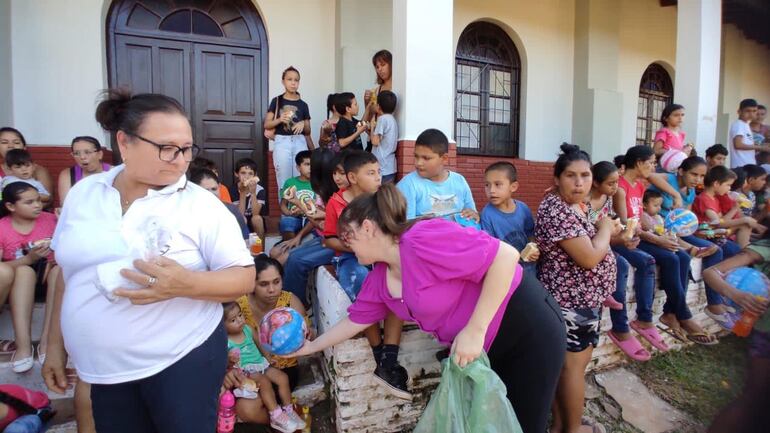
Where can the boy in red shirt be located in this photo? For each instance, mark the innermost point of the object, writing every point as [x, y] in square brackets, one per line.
[363, 173]
[708, 209]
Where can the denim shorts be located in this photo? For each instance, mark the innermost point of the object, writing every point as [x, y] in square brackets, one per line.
[290, 224]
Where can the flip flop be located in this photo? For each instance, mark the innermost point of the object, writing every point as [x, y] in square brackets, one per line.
[631, 347]
[652, 336]
[7, 347]
[677, 333]
[707, 341]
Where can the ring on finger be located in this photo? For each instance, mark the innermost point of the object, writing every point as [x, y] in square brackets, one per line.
[151, 281]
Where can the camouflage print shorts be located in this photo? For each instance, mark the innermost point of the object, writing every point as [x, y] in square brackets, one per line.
[582, 327]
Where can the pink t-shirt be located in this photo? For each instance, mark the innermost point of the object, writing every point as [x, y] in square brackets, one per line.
[634, 195]
[11, 241]
[442, 270]
[36, 399]
[670, 139]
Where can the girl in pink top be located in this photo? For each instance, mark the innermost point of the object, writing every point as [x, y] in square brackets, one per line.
[25, 239]
[670, 136]
[461, 285]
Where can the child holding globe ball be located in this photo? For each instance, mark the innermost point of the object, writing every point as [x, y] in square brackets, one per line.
[749, 411]
[252, 365]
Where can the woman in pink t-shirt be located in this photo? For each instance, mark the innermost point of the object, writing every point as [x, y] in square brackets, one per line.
[670, 136]
[25, 239]
[462, 286]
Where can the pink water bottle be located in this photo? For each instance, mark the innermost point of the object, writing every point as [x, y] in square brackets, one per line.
[226, 414]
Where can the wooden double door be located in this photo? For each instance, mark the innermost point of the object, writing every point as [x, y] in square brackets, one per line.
[220, 85]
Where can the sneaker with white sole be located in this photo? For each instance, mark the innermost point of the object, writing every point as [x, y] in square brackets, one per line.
[726, 320]
[295, 418]
[283, 423]
[395, 379]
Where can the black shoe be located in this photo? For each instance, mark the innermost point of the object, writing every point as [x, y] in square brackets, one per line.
[395, 379]
[442, 354]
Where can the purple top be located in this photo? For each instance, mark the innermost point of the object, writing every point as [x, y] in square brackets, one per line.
[442, 270]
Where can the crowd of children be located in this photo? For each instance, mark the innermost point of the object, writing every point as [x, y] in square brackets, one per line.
[596, 225]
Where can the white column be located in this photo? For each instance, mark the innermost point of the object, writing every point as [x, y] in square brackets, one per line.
[6, 82]
[696, 86]
[423, 66]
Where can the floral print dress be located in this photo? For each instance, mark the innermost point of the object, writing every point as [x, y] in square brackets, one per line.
[572, 286]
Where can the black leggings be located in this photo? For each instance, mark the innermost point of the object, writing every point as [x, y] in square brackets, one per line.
[528, 352]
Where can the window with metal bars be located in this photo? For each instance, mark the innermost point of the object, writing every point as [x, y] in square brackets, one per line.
[487, 89]
[655, 92]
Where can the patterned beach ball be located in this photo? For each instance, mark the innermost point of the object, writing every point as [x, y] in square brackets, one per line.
[282, 331]
[681, 222]
[672, 159]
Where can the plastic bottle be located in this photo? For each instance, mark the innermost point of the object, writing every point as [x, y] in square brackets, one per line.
[255, 244]
[307, 418]
[226, 414]
[744, 325]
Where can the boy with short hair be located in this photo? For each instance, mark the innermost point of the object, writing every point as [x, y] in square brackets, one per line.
[297, 198]
[432, 189]
[716, 155]
[249, 195]
[363, 173]
[756, 180]
[385, 135]
[708, 209]
[22, 169]
[504, 217]
[742, 139]
[348, 129]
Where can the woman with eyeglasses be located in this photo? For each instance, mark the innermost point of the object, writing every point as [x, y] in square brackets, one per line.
[87, 153]
[147, 258]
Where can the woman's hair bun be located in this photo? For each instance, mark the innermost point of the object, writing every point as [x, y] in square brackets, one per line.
[110, 110]
[567, 148]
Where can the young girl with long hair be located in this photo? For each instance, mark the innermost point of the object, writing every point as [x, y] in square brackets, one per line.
[670, 136]
[289, 117]
[25, 240]
[600, 205]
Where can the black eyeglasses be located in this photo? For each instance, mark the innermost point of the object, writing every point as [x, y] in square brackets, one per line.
[169, 152]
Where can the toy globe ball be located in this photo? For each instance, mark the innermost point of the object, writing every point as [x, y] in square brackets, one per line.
[282, 331]
[681, 222]
[672, 159]
[749, 280]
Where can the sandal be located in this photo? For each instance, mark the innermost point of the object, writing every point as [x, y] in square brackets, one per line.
[7, 347]
[702, 338]
[631, 347]
[40, 356]
[652, 336]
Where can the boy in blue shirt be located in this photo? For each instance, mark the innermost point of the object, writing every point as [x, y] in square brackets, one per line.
[432, 189]
[504, 217]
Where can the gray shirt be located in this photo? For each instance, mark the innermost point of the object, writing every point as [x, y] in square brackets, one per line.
[387, 128]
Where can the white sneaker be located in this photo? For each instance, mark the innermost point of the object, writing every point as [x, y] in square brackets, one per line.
[283, 423]
[295, 418]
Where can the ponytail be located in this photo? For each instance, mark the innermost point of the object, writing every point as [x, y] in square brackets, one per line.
[386, 208]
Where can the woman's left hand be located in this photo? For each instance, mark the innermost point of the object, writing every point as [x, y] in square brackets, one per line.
[467, 346]
[162, 278]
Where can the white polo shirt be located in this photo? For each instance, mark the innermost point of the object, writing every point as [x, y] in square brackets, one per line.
[115, 342]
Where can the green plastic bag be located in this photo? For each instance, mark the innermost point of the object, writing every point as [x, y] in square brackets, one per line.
[469, 400]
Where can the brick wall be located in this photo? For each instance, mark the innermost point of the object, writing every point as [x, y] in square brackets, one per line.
[56, 159]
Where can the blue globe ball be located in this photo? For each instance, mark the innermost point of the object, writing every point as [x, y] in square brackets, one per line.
[282, 331]
[749, 280]
[681, 222]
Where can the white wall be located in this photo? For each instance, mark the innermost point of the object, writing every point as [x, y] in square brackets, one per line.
[543, 32]
[647, 35]
[745, 74]
[58, 58]
[302, 34]
[6, 79]
[365, 27]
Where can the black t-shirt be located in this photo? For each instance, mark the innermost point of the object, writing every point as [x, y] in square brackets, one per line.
[235, 196]
[299, 108]
[346, 128]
